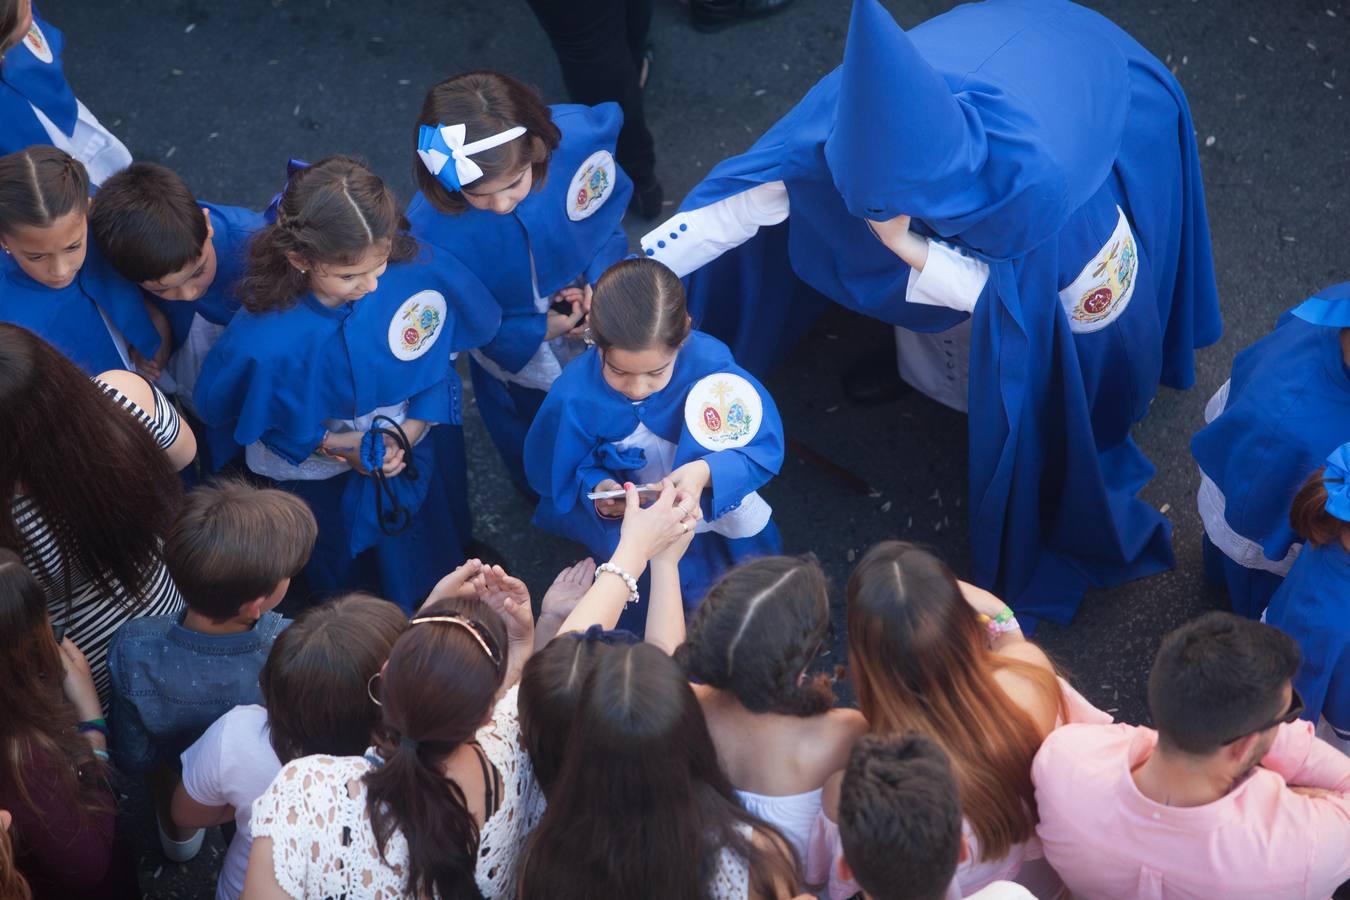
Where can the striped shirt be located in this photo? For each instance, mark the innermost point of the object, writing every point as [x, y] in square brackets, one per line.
[92, 617]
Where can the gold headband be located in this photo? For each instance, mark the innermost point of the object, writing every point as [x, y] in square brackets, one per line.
[468, 625]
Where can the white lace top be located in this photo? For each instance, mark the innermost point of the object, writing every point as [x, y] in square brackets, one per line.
[314, 799]
[731, 881]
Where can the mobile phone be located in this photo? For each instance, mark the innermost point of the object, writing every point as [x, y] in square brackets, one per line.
[645, 492]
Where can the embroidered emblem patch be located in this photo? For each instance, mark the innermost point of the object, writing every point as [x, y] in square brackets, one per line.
[417, 324]
[1103, 289]
[723, 411]
[36, 42]
[591, 186]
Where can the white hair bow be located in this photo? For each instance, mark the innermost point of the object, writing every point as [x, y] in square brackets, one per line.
[438, 146]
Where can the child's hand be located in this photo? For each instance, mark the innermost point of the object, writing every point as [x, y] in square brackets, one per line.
[897, 237]
[559, 324]
[690, 479]
[610, 509]
[509, 598]
[459, 583]
[563, 595]
[154, 368]
[78, 684]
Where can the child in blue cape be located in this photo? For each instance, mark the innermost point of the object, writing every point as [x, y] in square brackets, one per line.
[529, 197]
[338, 381]
[652, 400]
[37, 105]
[52, 281]
[1312, 602]
[1286, 406]
[189, 257]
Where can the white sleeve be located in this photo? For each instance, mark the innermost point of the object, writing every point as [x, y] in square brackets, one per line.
[948, 279]
[201, 765]
[689, 240]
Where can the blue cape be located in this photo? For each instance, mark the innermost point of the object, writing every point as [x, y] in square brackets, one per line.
[69, 319]
[570, 448]
[1288, 407]
[28, 79]
[232, 226]
[498, 248]
[1053, 471]
[1310, 607]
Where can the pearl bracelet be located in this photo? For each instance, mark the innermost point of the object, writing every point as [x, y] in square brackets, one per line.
[629, 580]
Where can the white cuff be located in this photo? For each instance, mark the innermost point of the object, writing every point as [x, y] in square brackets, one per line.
[948, 279]
[690, 240]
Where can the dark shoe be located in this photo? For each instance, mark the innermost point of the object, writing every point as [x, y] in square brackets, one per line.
[714, 15]
[647, 200]
[875, 379]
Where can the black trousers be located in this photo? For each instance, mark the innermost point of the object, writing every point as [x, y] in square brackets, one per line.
[599, 44]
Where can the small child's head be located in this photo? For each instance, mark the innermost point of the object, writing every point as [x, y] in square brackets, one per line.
[549, 689]
[1321, 510]
[150, 227]
[491, 108]
[756, 633]
[338, 226]
[900, 818]
[316, 683]
[638, 322]
[44, 211]
[234, 548]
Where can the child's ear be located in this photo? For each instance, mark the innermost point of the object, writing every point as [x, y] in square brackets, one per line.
[253, 609]
[210, 229]
[299, 263]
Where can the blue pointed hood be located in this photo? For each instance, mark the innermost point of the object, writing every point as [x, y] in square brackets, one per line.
[960, 124]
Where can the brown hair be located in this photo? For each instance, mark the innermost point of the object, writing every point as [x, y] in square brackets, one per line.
[920, 662]
[40, 185]
[757, 631]
[13, 886]
[233, 542]
[39, 723]
[487, 103]
[1309, 517]
[103, 486]
[329, 214]
[641, 807]
[638, 304]
[550, 687]
[900, 817]
[9, 22]
[316, 681]
[438, 689]
[147, 223]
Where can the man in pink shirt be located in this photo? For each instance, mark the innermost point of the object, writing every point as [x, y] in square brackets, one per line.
[1231, 797]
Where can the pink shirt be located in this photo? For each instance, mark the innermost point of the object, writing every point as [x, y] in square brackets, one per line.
[1106, 839]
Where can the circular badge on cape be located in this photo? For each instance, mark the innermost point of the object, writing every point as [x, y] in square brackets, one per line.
[723, 411]
[36, 42]
[591, 186]
[417, 324]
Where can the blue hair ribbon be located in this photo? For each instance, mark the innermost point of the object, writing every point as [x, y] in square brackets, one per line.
[1336, 479]
[293, 166]
[446, 155]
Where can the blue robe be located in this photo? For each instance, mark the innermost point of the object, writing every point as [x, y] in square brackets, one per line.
[1073, 117]
[27, 79]
[500, 251]
[69, 318]
[276, 377]
[1312, 606]
[1288, 407]
[571, 449]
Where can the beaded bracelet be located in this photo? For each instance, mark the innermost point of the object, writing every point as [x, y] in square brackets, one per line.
[101, 754]
[99, 725]
[1003, 623]
[629, 580]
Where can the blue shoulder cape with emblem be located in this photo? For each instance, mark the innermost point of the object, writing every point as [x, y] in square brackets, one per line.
[1011, 129]
[1310, 608]
[31, 76]
[571, 445]
[570, 236]
[1287, 407]
[232, 227]
[278, 375]
[71, 319]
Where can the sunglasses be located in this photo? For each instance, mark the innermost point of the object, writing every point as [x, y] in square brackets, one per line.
[1296, 709]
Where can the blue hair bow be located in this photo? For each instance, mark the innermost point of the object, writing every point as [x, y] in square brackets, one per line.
[293, 166]
[442, 145]
[1336, 479]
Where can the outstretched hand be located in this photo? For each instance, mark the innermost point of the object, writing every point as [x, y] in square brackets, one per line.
[509, 598]
[649, 531]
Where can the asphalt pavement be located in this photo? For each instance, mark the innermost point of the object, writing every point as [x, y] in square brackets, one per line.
[225, 92]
